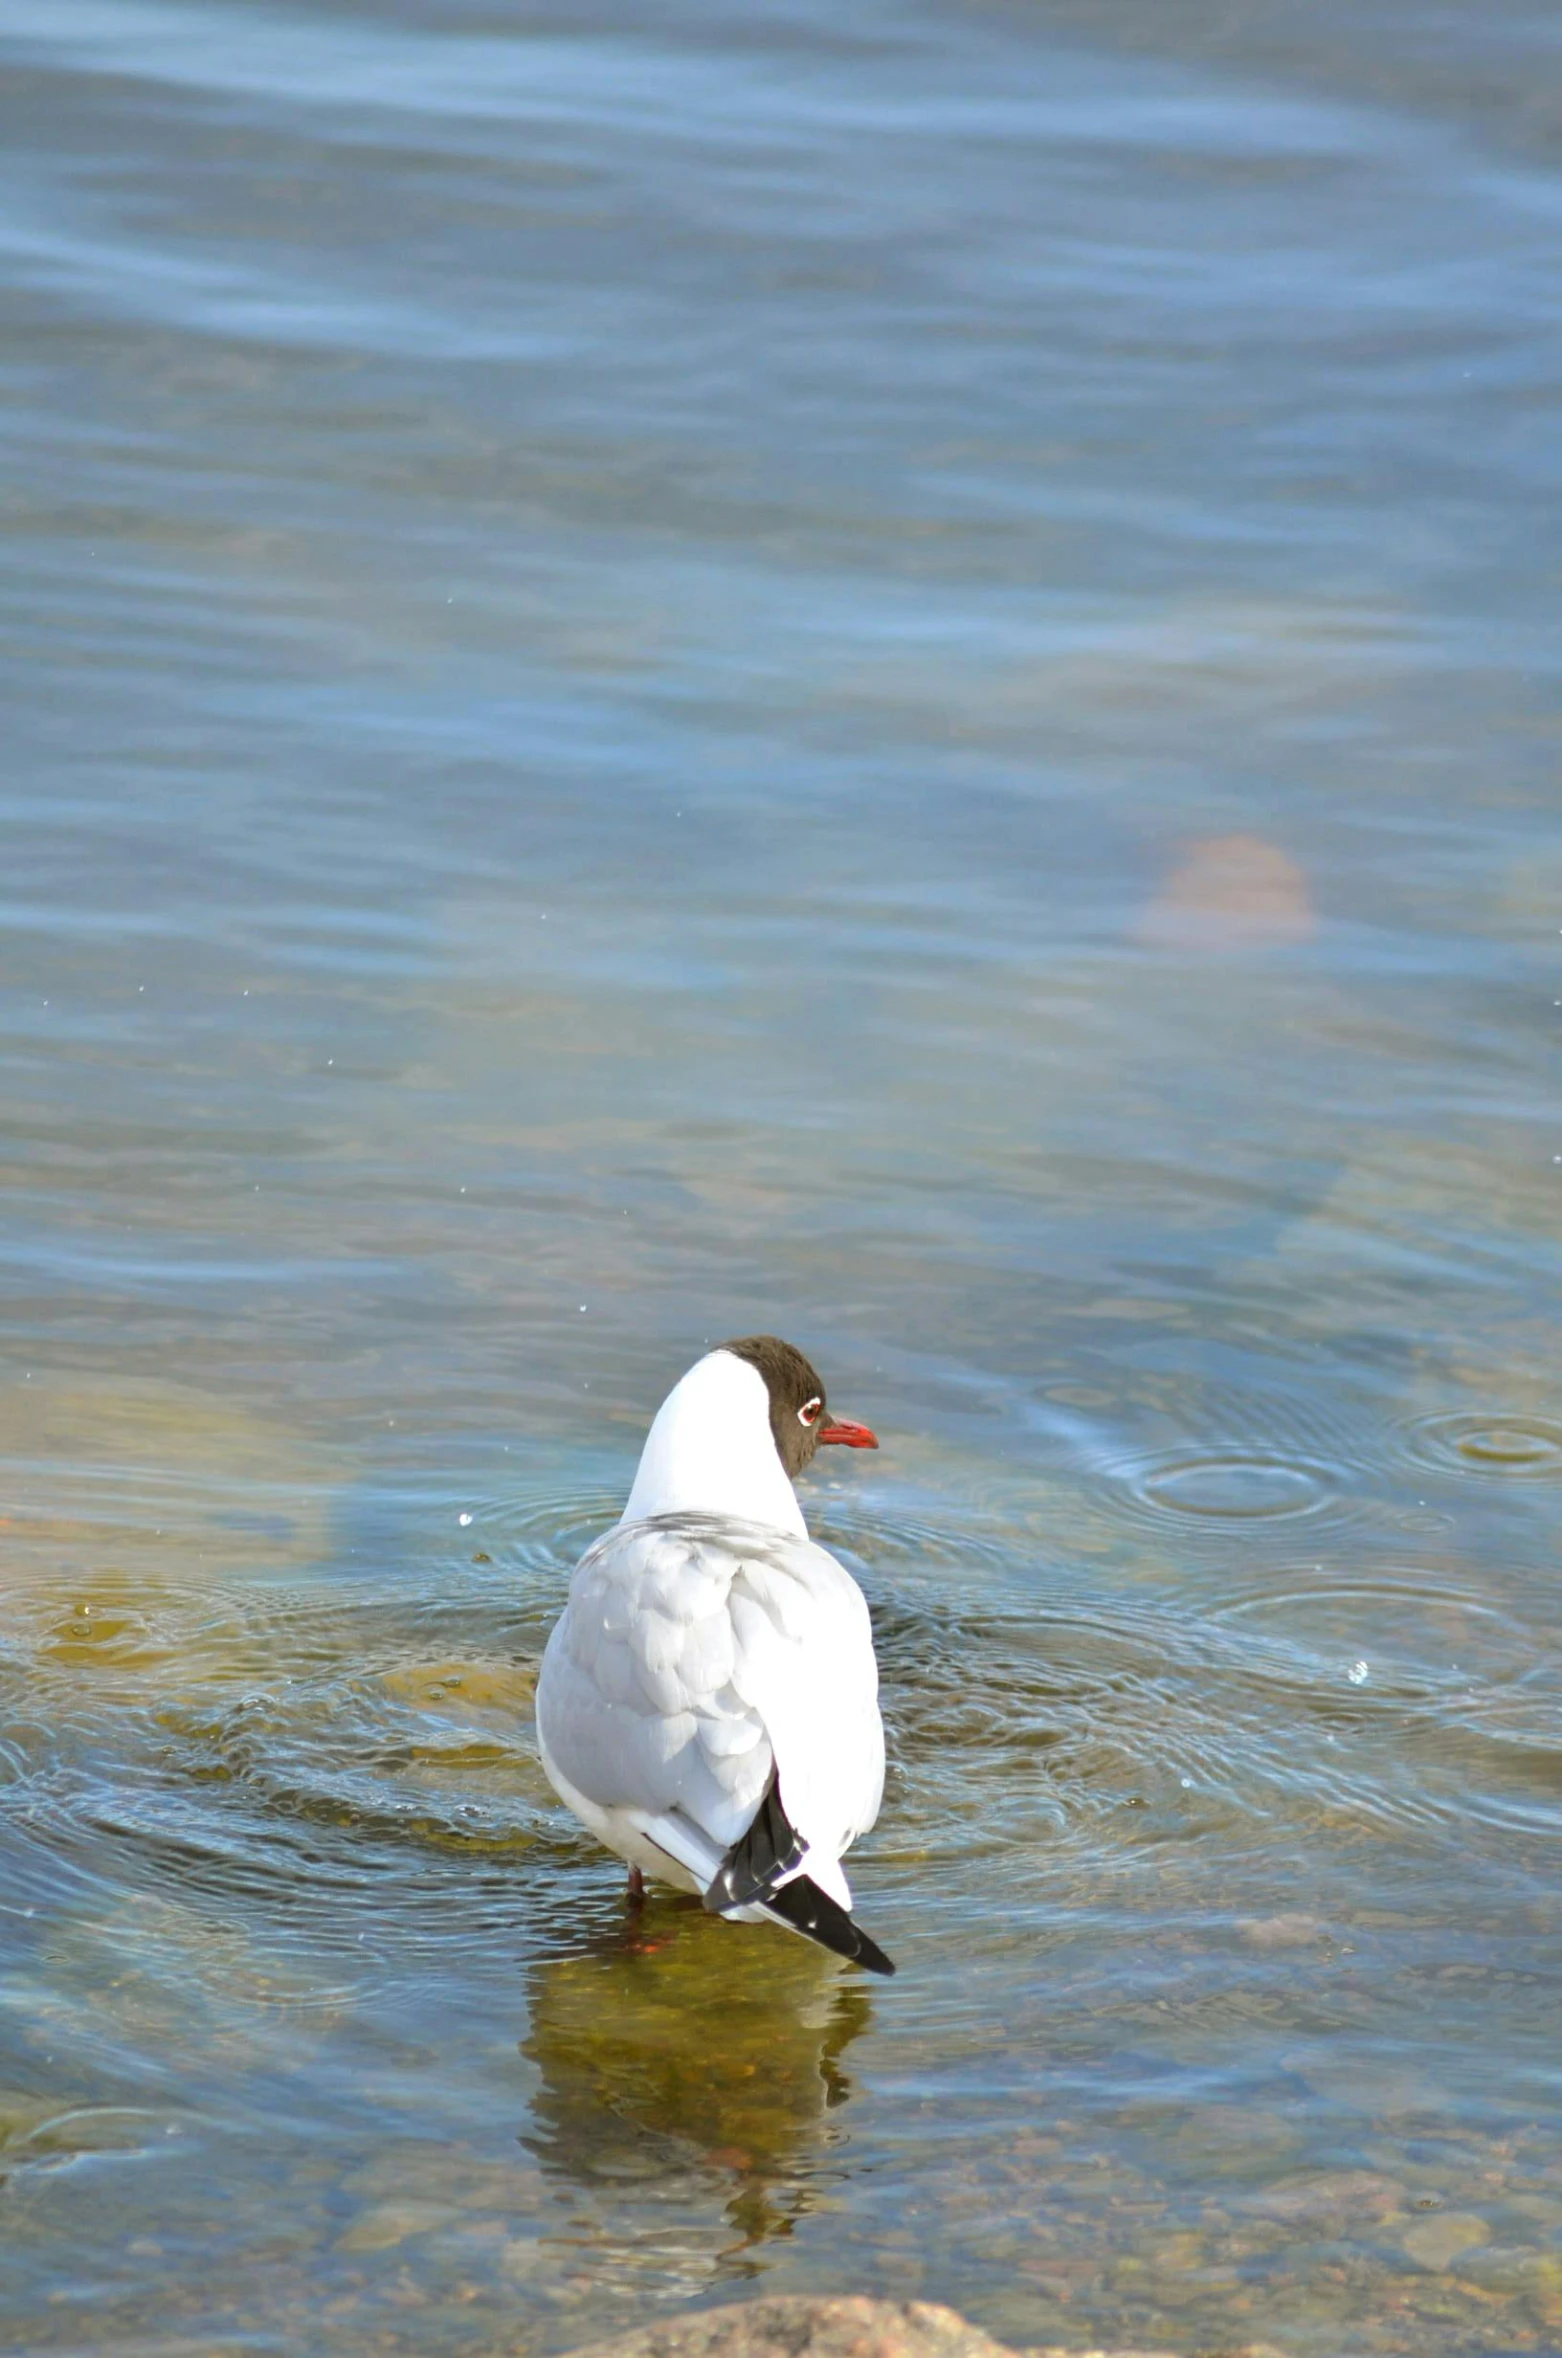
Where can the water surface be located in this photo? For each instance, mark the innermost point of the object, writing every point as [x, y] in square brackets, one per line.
[894, 678]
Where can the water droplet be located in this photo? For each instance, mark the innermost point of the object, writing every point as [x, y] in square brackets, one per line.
[1358, 1674]
[463, 1519]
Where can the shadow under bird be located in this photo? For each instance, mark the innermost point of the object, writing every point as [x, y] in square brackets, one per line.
[708, 1704]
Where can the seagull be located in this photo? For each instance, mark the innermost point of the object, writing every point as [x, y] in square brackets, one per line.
[708, 1704]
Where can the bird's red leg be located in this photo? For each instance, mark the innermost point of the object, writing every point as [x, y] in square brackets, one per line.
[636, 1887]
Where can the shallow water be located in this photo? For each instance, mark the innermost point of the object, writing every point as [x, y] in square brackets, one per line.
[890, 678]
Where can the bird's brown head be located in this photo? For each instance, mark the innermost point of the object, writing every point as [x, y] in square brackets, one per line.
[800, 1420]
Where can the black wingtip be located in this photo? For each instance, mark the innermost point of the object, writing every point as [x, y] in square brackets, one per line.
[807, 1909]
[768, 1848]
[751, 1873]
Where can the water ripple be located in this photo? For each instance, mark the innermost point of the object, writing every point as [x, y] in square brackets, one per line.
[1231, 1486]
[1508, 1448]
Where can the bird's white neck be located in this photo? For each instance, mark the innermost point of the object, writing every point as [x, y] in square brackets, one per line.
[711, 1451]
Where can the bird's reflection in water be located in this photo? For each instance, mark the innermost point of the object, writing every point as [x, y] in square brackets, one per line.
[678, 2051]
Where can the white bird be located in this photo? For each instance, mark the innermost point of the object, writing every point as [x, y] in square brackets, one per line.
[708, 1704]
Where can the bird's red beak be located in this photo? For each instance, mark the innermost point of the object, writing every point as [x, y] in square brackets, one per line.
[850, 1436]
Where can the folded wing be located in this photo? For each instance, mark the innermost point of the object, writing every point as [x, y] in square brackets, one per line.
[695, 1657]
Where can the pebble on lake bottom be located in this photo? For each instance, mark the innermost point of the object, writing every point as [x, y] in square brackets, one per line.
[1437, 2242]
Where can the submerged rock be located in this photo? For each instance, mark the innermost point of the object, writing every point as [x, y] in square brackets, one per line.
[797, 2325]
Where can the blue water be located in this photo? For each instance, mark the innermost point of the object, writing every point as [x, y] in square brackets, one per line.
[890, 678]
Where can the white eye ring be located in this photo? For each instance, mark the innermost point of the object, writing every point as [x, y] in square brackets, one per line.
[808, 1414]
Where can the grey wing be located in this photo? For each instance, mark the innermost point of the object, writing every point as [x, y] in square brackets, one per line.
[635, 1702]
[806, 1663]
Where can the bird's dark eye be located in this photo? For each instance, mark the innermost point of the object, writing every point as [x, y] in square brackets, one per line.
[808, 1414]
